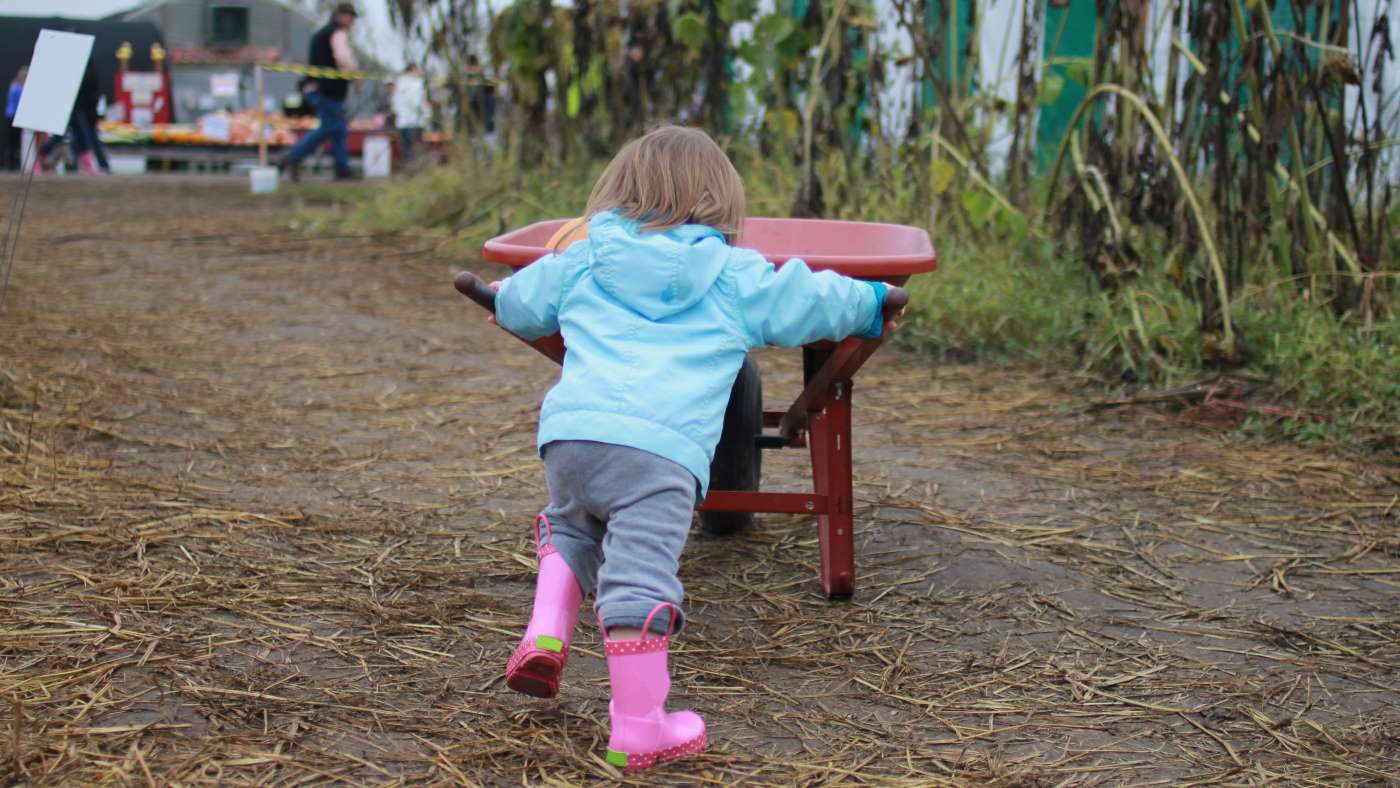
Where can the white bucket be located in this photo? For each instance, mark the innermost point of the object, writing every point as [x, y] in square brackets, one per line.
[123, 164]
[378, 157]
[263, 179]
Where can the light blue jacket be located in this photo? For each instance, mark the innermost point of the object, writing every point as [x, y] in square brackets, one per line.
[657, 325]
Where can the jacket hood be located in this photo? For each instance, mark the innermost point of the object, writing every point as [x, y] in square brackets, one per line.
[657, 274]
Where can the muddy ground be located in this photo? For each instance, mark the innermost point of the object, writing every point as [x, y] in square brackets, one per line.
[265, 506]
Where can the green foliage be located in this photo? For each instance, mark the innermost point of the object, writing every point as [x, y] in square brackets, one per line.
[463, 205]
[1144, 333]
[689, 29]
[1240, 217]
[1345, 376]
[996, 300]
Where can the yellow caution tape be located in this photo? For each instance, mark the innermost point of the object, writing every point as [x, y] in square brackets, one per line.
[324, 72]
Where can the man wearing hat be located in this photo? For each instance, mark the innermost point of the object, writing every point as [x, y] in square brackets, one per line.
[330, 48]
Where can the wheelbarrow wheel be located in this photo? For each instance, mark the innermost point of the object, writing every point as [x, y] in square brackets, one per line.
[738, 461]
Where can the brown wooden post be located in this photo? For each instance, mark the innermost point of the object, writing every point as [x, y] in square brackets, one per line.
[262, 115]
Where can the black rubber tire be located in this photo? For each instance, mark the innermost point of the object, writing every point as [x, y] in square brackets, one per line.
[738, 463]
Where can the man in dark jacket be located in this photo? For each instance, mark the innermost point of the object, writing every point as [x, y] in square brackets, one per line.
[330, 48]
[85, 116]
[83, 140]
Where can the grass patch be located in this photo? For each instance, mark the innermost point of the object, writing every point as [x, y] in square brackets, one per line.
[462, 206]
[1344, 377]
[999, 301]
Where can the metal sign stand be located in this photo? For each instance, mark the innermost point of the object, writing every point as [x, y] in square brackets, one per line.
[262, 179]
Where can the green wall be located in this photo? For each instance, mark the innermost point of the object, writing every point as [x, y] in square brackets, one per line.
[1069, 49]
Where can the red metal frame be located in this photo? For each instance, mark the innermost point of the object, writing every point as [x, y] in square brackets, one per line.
[831, 476]
[820, 417]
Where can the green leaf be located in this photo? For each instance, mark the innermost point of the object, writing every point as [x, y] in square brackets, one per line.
[1079, 69]
[758, 56]
[573, 100]
[940, 175]
[979, 206]
[1050, 89]
[731, 11]
[785, 122]
[1008, 222]
[593, 77]
[738, 99]
[1012, 224]
[689, 29]
[773, 30]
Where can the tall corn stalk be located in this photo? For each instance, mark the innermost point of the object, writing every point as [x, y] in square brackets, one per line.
[1020, 156]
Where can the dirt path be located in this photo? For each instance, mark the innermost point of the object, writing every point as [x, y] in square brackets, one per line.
[264, 518]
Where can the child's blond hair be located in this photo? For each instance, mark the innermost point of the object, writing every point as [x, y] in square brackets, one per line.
[671, 176]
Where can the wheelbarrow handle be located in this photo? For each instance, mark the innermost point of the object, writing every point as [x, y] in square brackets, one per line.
[471, 286]
[896, 298]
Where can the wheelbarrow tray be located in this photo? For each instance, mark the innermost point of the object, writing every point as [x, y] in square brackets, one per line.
[865, 250]
[820, 417]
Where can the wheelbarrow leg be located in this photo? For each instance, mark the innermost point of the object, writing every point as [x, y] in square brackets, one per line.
[829, 435]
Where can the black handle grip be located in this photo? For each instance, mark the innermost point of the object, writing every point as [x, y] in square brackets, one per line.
[472, 287]
[896, 298]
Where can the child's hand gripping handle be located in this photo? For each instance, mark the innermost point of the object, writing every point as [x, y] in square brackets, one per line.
[472, 287]
[896, 298]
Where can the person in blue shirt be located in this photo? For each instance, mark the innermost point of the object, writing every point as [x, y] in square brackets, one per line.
[13, 135]
[658, 308]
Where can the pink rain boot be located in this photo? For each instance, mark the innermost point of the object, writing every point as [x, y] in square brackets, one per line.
[538, 662]
[87, 163]
[643, 732]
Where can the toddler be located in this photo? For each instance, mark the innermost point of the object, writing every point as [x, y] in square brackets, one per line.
[657, 307]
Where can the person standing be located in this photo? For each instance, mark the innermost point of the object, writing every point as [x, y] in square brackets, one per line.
[13, 135]
[92, 154]
[330, 48]
[410, 106]
[84, 145]
[483, 96]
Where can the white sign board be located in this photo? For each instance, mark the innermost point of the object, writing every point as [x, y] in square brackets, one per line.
[224, 85]
[142, 85]
[215, 127]
[54, 76]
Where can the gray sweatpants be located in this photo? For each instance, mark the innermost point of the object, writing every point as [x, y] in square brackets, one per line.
[620, 518]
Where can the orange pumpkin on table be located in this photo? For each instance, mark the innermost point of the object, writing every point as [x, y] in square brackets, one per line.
[573, 230]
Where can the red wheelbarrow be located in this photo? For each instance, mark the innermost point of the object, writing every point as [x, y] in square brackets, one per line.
[820, 417]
